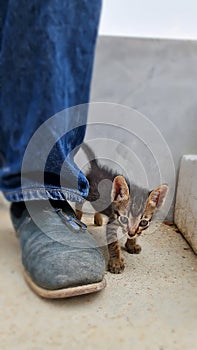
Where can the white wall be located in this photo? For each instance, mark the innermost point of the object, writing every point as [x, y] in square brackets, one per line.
[158, 78]
[150, 18]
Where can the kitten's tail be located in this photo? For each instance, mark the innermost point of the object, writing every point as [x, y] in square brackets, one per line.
[90, 155]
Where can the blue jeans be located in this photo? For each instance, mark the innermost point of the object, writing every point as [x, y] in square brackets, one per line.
[46, 60]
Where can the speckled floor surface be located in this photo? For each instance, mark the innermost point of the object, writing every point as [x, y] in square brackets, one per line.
[151, 306]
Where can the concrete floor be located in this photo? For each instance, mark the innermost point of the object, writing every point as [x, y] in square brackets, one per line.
[151, 306]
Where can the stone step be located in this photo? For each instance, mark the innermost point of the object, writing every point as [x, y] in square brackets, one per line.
[186, 200]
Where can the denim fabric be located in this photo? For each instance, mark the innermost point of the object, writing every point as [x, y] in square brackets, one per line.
[46, 60]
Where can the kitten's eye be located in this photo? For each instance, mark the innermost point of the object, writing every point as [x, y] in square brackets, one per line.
[144, 223]
[123, 219]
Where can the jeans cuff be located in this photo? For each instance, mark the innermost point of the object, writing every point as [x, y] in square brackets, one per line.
[44, 194]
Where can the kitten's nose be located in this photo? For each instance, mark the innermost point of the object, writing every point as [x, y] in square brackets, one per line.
[132, 231]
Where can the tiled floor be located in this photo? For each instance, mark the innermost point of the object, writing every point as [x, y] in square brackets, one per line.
[151, 306]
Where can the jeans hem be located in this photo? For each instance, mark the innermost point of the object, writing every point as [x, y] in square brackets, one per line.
[44, 194]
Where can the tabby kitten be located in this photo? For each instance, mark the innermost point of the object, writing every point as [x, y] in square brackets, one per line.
[126, 205]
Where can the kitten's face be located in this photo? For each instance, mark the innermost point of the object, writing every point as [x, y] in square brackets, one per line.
[133, 225]
[134, 211]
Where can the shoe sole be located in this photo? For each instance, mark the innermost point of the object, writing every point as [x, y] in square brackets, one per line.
[64, 292]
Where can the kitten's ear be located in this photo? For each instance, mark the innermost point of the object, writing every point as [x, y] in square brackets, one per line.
[157, 197]
[120, 190]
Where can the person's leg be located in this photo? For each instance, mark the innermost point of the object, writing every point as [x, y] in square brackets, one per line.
[47, 51]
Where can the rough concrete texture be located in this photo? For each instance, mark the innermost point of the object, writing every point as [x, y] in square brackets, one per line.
[186, 200]
[3, 202]
[151, 306]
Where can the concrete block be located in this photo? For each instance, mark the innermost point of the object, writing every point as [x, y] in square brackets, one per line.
[186, 200]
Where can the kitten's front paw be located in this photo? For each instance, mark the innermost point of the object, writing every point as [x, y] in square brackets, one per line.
[116, 266]
[136, 249]
[98, 219]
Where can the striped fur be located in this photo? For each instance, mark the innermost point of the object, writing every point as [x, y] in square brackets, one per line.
[126, 205]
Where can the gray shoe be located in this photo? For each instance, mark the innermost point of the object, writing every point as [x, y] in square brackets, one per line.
[60, 257]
